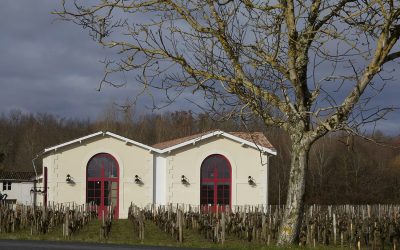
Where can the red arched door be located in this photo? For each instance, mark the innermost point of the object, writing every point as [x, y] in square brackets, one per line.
[103, 183]
[215, 187]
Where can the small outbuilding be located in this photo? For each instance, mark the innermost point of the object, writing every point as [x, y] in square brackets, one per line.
[205, 169]
[16, 187]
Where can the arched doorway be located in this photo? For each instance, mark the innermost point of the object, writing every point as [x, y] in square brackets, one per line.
[102, 186]
[216, 181]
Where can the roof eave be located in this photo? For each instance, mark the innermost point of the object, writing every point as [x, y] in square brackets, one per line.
[250, 144]
[14, 179]
[151, 149]
[168, 149]
[215, 133]
[73, 141]
[182, 144]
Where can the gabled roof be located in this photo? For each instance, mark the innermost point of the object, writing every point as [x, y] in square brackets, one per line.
[257, 137]
[255, 140]
[17, 176]
[101, 133]
[166, 144]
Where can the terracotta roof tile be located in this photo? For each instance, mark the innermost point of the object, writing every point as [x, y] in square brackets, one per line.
[20, 176]
[255, 137]
[170, 143]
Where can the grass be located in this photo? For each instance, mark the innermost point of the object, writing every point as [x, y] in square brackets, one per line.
[122, 233]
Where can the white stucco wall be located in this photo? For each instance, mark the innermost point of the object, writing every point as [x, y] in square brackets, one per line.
[160, 180]
[20, 191]
[73, 159]
[245, 161]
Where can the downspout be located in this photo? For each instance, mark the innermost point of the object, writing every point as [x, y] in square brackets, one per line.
[267, 184]
[267, 180]
[36, 177]
[33, 164]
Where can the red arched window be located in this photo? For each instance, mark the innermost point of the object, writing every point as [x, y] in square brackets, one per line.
[216, 178]
[103, 182]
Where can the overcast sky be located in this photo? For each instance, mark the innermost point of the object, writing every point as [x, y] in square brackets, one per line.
[53, 66]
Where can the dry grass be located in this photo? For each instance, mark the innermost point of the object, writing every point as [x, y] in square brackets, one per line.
[122, 233]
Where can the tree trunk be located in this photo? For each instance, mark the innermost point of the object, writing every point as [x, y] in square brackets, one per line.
[292, 218]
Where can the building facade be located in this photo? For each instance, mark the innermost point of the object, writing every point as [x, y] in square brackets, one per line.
[205, 169]
[17, 187]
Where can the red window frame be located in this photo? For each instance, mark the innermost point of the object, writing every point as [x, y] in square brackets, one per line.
[99, 184]
[217, 192]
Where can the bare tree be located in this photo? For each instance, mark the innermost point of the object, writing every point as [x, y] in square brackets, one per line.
[306, 66]
[321, 154]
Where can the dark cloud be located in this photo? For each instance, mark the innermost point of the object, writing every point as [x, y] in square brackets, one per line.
[47, 65]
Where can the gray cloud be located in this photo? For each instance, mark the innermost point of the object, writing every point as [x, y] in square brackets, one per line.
[49, 65]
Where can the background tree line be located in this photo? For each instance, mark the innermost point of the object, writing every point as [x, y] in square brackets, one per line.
[342, 169]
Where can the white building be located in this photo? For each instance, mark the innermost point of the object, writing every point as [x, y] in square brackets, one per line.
[17, 186]
[205, 169]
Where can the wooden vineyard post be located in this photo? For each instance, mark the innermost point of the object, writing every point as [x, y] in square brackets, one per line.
[269, 228]
[341, 239]
[102, 229]
[12, 222]
[334, 228]
[66, 223]
[375, 236]
[140, 218]
[313, 234]
[179, 220]
[253, 226]
[142, 228]
[264, 227]
[323, 232]
[222, 227]
[351, 230]
[31, 222]
[308, 232]
[1, 216]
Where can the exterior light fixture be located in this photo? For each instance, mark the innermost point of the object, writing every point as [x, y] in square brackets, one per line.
[184, 180]
[68, 179]
[36, 190]
[251, 181]
[138, 180]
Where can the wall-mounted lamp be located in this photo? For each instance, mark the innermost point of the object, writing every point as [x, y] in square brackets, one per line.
[251, 181]
[184, 180]
[68, 179]
[36, 190]
[138, 180]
